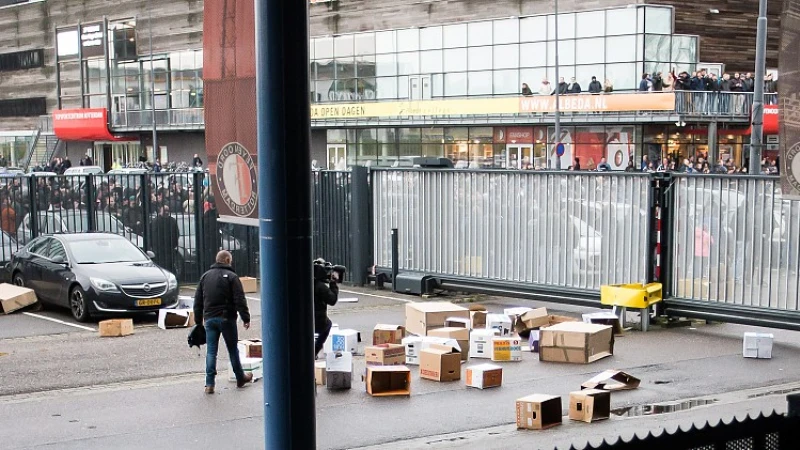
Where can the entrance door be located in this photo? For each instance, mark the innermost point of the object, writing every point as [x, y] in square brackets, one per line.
[420, 87]
[108, 159]
[337, 157]
[519, 156]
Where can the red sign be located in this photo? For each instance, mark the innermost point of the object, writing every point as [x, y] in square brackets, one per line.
[771, 119]
[519, 135]
[83, 125]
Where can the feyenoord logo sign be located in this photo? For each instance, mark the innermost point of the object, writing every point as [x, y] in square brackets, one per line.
[236, 179]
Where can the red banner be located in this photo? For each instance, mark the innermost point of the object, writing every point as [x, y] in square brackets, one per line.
[83, 125]
[771, 119]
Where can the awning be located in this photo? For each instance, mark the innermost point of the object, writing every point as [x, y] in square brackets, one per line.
[85, 124]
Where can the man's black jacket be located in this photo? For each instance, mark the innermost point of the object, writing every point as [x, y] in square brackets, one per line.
[324, 295]
[220, 294]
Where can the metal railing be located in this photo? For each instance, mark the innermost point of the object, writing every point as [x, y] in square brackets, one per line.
[566, 229]
[178, 117]
[701, 103]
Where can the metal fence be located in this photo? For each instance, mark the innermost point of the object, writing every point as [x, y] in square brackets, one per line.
[331, 212]
[701, 103]
[735, 244]
[568, 229]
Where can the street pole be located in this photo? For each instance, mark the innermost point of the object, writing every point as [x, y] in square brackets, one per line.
[557, 81]
[284, 210]
[152, 84]
[757, 129]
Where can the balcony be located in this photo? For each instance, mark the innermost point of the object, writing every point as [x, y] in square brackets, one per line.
[166, 119]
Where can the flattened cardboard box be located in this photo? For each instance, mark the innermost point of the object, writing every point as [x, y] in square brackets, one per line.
[175, 318]
[388, 381]
[612, 380]
[575, 342]
[421, 317]
[250, 285]
[320, 373]
[484, 376]
[386, 354]
[538, 412]
[461, 335]
[14, 297]
[116, 327]
[388, 334]
[440, 363]
[250, 348]
[590, 405]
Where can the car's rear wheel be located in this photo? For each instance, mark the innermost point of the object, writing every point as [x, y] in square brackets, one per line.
[78, 304]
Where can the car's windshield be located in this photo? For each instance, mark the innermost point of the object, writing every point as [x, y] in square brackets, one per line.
[101, 251]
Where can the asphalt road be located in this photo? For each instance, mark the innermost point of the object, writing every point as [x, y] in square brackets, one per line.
[64, 387]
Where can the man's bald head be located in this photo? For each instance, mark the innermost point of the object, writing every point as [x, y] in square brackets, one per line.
[224, 257]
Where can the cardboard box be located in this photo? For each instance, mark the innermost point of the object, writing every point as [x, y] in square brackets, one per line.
[590, 405]
[14, 297]
[532, 320]
[249, 284]
[538, 412]
[421, 317]
[480, 343]
[440, 363]
[515, 314]
[461, 335]
[175, 318]
[478, 319]
[415, 344]
[533, 341]
[387, 381]
[116, 327]
[339, 370]
[388, 334]
[386, 354]
[612, 380]
[506, 349]
[185, 302]
[484, 376]
[499, 322]
[605, 318]
[457, 322]
[249, 365]
[757, 345]
[320, 373]
[575, 342]
[342, 340]
[250, 348]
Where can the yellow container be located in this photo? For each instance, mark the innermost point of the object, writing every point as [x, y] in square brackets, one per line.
[634, 296]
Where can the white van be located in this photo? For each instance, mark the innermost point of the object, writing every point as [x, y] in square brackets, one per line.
[83, 170]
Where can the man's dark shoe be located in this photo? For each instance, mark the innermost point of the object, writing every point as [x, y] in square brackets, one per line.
[209, 389]
[248, 377]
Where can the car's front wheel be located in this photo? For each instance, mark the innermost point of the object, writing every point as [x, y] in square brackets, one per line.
[79, 305]
[18, 280]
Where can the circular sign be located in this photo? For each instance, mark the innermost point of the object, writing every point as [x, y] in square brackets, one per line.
[236, 179]
[793, 166]
[560, 149]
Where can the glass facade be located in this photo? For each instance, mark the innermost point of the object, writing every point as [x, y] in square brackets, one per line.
[494, 57]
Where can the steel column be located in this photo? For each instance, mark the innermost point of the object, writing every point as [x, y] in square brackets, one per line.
[757, 136]
[359, 225]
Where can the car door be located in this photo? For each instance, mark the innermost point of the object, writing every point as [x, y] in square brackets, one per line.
[56, 273]
[32, 265]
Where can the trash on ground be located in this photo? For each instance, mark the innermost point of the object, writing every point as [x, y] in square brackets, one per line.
[250, 348]
[13, 298]
[249, 365]
[388, 334]
[421, 317]
[538, 412]
[385, 355]
[499, 322]
[175, 318]
[589, 405]
[461, 335]
[342, 340]
[386, 381]
[575, 342]
[440, 363]
[612, 380]
[348, 300]
[249, 284]
[506, 349]
[480, 343]
[320, 374]
[339, 367]
[116, 327]
[415, 344]
[484, 376]
[605, 318]
[757, 345]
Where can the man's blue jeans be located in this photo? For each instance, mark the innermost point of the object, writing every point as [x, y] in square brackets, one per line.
[227, 328]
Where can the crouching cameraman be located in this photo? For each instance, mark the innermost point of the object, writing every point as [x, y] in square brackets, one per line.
[326, 293]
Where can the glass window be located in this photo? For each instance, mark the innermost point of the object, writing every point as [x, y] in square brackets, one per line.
[366, 88]
[584, 75]
[620, 21]
[408, 40]
[623, 76]
[684, 49]
[337, 136]
[506, 82]
[455, 36]
[506, 31]
[532, 29]
[365, 66]
[455, 84]
[480, 58]
[385, 65]
[480, 33]
[365, 44]
[506, 56]
[437, 85]
[590, 24]
[410, 135]
[343, 46]
[431, 61]
[325, 70]
[323, 48]
[480, 83]
[455, 60]
[640, 19]
[657, 48]
[384, 42]
[589, 51]
[408, 63]
[533, 77]
[453, 134]
[386, 88]
[57, 250]
[430, 38]
[621, 49]
[658, 20]
[403, 87]
[345, 68]
[432, 135]
[566, 53]
[533, 55]
[566, 26]
[67, 42]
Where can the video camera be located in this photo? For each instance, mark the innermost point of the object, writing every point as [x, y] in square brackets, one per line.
[323, 271]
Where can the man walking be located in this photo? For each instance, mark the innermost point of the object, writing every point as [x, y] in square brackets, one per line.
[218, 298]
[326, 293]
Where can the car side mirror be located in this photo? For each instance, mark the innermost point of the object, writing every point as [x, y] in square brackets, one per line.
[150, 254]
[59, 260]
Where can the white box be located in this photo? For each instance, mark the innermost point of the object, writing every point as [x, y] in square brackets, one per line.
[457, 322]
[518, 311]
[415, 344]
[480, 343]
[185, 301]
[499, 322]
[484, 376]
[506, 349]
[339, 370]
[249, 365]
[175, 318]
[757, 345]
[342, 341]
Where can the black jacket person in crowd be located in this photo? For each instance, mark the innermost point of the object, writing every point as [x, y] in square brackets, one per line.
[326, 293]
[164, 240]
[219, 297]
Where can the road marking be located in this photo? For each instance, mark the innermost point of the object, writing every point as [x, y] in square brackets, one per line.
[253, 299]
[38, 316]
[378, 296]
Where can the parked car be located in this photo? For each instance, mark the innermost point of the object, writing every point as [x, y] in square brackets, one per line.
[84, 170]
[93, 274]
[75, 221]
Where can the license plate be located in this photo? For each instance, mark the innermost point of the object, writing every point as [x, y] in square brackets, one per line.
[149, 302]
